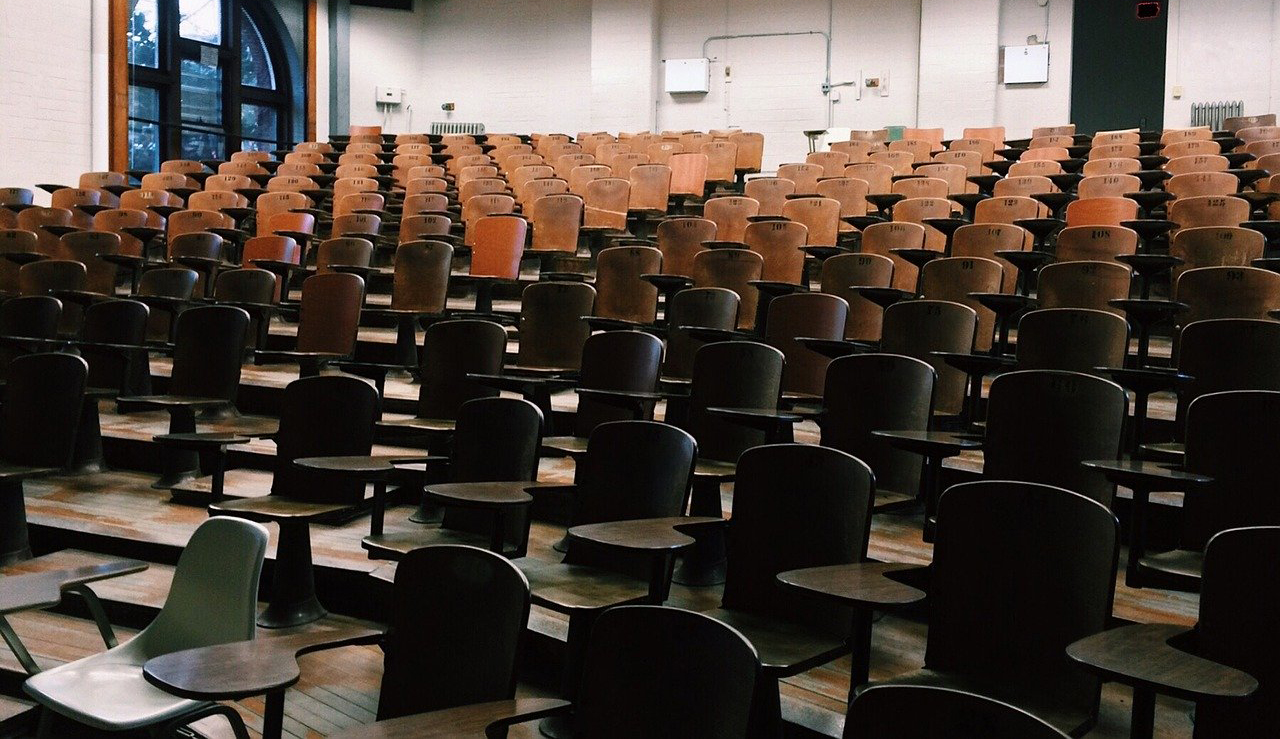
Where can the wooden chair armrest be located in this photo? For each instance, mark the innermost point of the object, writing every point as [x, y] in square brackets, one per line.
[653, 535]
[945, 443]
[764, 419]
[21, 592]
[861, 583]
[1147, 474]
[1140, 655]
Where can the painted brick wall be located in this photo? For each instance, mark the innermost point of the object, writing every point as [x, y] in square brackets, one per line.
[1222, 50]
[959, 63]
[45, 91]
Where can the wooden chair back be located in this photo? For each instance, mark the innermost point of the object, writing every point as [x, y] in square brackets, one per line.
[462, 608]
[806, 314]
[750, 155]
[1108, 186]
[1082, 416]
[820, 216]
[620, 291]
[878, 176]
[1101, 211]
[43, 403]
[420, 278]
[731, 374]
[932, 712]
[1226, 354]
[1095, 243]
[824, 493]
[1117, 165]
[916, 210]
[1196, 163]
[954, 278]
[770, 192]
[86, 247]
[711, 307]
[497, 243]
[730, 215]
[779, 242]
[1071, 339]
[1083, 284]
[921, 187]
[552, 331]
[1024, 186]
[329, 316]
[323, 416]
[681, 239]
[1208, 210]
[555, 220]
[605, 204]
[918, 328]
[832, 162]
[983, 240]
[450, 351]
[34, 219]
[208, 350]
[1215, 246]
[665, 672]
[615, 360]
[650, 187]
[733, 269]
[805, 177]
[1226, 292]
[845, 271]
[883, 238]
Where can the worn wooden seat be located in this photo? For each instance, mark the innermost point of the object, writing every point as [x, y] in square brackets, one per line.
[328, 321]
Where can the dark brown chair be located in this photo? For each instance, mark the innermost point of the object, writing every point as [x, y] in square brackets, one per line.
[1071, 339]
[710, 307]
[631, 470]
[452, 350]
[419, 287]
[28, 316]
[1225, 663]
[328, 323]
[1087, 284]
[954, 279]
[933, 712]
[202, 252]
[621, 293]
[552, 329]
[85, 247]
[109, 328]
[733, 269]
[649, 671]
[994, 635]
[463, 610]
[795, 506]
[495, 440]
[319, 417]
[39, 419]
[166, 292]
[845, 271]
[811, 315]
[1227, 436]
[253, 290]
[919, 329]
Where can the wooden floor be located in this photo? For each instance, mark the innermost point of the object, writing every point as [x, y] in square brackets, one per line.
[339, 688]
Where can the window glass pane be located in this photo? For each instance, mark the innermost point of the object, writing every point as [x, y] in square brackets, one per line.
[258, 122]
[144, 46]
[144, 102]
[201, 92]
[202, 145]
[252, 145]
[144, 146]
[200, 20]
[255, 62]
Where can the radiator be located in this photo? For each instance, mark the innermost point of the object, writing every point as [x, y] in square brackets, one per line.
[443, 127]
[1213, 114]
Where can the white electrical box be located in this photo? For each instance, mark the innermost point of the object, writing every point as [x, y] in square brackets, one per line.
[389, 95]
[1020, 65]
[687, 75]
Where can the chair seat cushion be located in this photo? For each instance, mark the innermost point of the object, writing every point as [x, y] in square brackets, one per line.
[565, 588]
[1063, 717]
[785, 648]
[107, 691]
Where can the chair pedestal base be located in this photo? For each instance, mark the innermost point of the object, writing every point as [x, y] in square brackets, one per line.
[293, 584]
[179, 465]
[703, 563]
[557, 727]
[13, 524]
[87, 455]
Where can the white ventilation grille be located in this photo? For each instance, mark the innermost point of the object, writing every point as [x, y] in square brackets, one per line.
[443, 127]
[1213, 114]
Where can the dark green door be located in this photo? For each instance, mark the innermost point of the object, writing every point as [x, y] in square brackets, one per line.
[1117, 64]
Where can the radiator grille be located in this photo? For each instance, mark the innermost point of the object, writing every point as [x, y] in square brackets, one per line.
[1213, 114]
[443, 127]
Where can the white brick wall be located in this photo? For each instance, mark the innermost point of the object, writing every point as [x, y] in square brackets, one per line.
[959, 63]
[623, 64]
[1222, 50]
[45, 91]
[1020, 108]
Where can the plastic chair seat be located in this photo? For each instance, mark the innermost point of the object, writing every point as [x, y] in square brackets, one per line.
[107, 691]
[785, 648]
[1065, 721]
[565, 588]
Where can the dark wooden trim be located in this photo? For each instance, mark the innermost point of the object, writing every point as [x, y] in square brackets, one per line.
[118, 86]
[312, 28]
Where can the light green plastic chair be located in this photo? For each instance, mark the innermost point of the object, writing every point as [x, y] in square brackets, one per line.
[213, 600]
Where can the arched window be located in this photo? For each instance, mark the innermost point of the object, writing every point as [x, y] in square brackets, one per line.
[206, 78]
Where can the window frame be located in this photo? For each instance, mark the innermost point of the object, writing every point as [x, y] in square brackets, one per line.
[166, 78]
